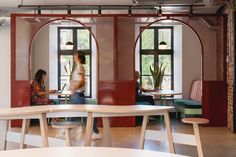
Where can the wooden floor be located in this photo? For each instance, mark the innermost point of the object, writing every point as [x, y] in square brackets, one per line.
[217, 142]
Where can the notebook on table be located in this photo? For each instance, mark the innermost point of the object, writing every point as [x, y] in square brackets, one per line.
[63, 88]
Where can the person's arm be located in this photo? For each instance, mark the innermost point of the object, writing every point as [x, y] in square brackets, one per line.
[39, 91]
[46, 92]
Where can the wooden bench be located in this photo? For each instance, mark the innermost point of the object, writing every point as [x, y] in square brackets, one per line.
[193, 105]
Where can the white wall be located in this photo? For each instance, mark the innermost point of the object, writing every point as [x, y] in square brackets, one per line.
[5, 71]
[191, 61]
[53, 55]
[178, 58]
[40, 54]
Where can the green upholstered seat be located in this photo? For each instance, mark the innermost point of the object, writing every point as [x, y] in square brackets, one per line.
[188, 103]
[143, 103]
[90, 101]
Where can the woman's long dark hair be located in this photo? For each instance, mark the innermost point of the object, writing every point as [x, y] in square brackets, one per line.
[39, 76]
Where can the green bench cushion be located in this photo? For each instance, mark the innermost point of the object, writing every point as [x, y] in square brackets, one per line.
[186, 103]
[90, 101]
[143, 103]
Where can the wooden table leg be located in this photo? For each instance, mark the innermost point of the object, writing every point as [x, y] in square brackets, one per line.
[106, 130]
[169, 132]
[198, 140]
[44, 129]
[143, 130]
[3, 134]
[89, 129]
[24, 130]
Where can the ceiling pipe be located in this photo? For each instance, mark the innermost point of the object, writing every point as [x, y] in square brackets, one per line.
[208, 24]
[104, 7]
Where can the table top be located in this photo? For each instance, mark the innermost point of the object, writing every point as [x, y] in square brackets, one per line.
[85, 152]
[62, 93]
[20, 111]
[112, 109]
[165, 92]
[126, 109]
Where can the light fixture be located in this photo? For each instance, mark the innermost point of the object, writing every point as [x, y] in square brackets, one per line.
[69, 44]
[191, 11]
[135, 2]
[162, 45]
[130, 11]
[68, 11]
[160, 11]
[39, 10]
[99, 11]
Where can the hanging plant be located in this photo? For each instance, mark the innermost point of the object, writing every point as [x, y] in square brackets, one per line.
[157, 72]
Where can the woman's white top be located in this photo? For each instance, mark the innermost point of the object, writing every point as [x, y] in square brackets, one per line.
[77, 75]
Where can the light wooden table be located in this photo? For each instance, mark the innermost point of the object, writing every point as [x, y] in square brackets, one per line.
[164, 94]
[7, 114]
[106, 111]
[85, 152]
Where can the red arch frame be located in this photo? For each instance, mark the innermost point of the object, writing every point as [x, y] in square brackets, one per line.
[57, 19]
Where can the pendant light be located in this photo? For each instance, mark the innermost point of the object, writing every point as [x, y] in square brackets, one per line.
[69, 44]
[162, 45]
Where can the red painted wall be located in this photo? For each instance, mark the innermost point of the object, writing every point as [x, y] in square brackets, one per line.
[215, 103]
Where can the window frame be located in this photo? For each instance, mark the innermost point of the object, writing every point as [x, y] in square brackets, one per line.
[156, 52]
[70, 53]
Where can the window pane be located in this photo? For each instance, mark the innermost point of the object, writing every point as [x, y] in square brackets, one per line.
[166, 84]
[164, 35]
[65, 36]
[147, 61]
[147, 82]
[148, 39]
[87, 65]
[166, 61]
[87, 86]
[66, 64]
[83, 39]
[65, 79]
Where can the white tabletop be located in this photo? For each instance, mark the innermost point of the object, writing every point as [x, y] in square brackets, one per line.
[20, 111]
[165, 92]
[97, 108]
[125, 109]
[84, 152]
[62, 93]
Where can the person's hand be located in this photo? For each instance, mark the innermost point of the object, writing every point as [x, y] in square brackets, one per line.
[52, 91]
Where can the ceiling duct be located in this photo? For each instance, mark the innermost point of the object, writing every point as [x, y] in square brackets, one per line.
[166, 2]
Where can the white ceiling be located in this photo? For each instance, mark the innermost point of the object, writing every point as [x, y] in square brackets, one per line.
[211, 6]
[15, 3]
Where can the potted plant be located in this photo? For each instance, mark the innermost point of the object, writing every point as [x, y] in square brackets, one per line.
[157, 73]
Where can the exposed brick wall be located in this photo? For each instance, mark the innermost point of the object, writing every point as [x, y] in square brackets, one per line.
[220, 50]
[230, 65]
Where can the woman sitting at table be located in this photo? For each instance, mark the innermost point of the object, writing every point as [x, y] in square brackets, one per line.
[38, 92]
[140, 97]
